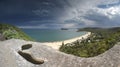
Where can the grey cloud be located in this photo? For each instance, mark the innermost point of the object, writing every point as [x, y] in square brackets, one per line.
[84, 11]
[102, 20]
[95, 16]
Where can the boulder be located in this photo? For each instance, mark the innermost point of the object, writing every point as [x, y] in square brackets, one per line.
[2, 38]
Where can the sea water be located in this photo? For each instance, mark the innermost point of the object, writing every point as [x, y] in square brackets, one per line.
[51, 35]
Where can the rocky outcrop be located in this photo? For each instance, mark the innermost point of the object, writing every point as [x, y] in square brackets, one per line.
[2, 38]
[9, 56]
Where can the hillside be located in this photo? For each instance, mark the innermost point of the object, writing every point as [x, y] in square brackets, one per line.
[9, 31]
[9, 56]
[101, 40]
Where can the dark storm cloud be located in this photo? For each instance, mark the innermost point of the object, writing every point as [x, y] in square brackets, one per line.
[59, 13]
[15, 11]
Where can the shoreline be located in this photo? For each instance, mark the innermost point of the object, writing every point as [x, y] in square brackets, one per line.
[56, 45]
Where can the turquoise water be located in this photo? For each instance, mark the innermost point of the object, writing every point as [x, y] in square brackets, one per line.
[44, 35]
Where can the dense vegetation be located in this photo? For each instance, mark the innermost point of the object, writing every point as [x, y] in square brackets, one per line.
[9, 32]
[98, 42]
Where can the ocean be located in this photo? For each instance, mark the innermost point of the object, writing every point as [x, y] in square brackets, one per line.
[51, 35]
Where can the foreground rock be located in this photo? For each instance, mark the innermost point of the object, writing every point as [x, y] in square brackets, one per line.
[9, 56]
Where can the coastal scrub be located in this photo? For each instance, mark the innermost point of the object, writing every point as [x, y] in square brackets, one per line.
[10, 31]
[101, 40]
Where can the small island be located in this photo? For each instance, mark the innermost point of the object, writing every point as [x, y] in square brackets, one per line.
[64, 28]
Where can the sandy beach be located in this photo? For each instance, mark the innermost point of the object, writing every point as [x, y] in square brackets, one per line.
[56, 45]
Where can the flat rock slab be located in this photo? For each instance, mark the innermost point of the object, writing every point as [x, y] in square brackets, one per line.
[53, 58]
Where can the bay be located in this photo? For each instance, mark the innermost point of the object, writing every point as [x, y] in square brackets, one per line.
[51, 35]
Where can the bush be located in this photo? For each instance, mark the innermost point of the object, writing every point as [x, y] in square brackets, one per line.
[9, 32]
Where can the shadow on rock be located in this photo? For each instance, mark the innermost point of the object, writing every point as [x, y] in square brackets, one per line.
[26, 46]
[30, 58]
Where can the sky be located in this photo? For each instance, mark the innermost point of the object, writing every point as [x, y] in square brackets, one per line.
[53, 14]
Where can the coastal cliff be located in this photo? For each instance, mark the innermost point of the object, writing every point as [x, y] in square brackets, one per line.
[9, 56]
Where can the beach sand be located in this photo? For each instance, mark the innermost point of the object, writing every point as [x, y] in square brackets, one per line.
[56, 45]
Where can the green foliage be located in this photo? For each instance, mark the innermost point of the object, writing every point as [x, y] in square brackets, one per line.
[9, 32]
[99, 41]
